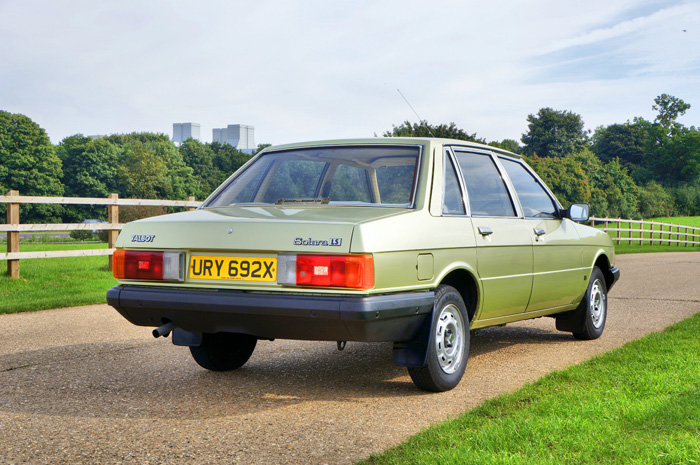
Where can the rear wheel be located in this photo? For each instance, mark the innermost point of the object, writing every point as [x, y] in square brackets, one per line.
[224, 351]
[448, 348]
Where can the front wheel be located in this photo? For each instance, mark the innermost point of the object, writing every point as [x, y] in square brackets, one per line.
[224, 351]
[448, 348]
[593, 309]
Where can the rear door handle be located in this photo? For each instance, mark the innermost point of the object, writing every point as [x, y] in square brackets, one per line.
[485, 230]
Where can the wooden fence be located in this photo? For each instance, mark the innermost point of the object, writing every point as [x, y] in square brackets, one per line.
[13, 227]
[649, 232]
[637, 231]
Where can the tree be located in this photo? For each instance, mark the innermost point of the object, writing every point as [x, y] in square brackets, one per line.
[567, 178]
[510, 145]
[669, 108]
[142, 174]
[152, 167]
[582, 177]
[623, 141]
[28, 163]
[89, 166]
[553, 133]
[89, 170]
[261, 147]
[655, 201]
[200, 157]
[227, 159]
[424, 129]
[678, 160]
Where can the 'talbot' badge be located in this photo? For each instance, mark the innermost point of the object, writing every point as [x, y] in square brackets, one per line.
[142, 237]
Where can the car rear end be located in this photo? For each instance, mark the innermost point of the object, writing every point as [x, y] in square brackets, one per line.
[270, 252]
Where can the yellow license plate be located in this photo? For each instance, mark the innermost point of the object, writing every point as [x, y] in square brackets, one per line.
[234, 268]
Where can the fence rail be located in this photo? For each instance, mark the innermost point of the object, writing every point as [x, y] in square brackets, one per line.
[656, 232]
[13, 227]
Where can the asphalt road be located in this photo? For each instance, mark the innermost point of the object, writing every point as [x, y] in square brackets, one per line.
[82, 385]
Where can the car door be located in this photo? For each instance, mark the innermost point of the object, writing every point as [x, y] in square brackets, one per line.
[503, 242]
[558, 274]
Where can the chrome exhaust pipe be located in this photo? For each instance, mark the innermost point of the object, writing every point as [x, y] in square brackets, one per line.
[164, 330]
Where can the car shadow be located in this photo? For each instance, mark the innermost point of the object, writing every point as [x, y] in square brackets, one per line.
[156, 380]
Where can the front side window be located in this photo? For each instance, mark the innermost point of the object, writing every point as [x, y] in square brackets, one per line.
[486, 190]
[352, 175]
[534, 199]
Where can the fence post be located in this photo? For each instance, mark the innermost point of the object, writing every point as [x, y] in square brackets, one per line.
[641, 232]
[13, 236]
[112, 217]
[630, 233]
[191, 199]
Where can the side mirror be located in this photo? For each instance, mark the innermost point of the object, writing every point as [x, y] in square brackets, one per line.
[578, 212]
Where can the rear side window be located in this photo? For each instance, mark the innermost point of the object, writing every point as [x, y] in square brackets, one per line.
[452, 203]
[486, 190]
[534, 199]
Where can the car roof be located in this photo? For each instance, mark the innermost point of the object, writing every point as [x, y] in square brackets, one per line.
[393, 140]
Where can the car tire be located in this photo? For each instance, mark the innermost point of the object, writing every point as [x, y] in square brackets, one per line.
[593, 309]
[448, 347]
[223, 351]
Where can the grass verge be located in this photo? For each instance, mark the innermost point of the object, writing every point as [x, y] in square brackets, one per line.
[55, 282]
[627, 246]
[639, 404]
[621, 249]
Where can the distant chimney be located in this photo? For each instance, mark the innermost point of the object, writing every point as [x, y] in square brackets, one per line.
[184, 131]
[240, 136]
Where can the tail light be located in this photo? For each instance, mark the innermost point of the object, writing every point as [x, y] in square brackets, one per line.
[148, 265]
[349, 271]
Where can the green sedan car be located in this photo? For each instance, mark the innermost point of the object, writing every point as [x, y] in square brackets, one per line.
[405, 240]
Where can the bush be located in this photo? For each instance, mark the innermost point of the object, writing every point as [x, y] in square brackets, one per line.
[103, 235]
[655, 201]
[82, 235]
[687, 199]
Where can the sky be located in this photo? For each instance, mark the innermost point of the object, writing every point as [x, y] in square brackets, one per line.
[301, 70]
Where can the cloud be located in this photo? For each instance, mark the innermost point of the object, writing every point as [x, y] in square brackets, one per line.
[621, 29]
[311, 69]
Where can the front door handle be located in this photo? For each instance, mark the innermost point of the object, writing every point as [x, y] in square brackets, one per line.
[485, 230]
[539, 231]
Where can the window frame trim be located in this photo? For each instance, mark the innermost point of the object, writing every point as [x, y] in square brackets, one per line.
[501, 172]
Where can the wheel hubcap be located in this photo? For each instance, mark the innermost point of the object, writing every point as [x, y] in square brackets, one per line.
[597, 304]
[449, 339]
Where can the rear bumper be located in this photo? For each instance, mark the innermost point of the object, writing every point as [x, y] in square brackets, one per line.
[391, 318]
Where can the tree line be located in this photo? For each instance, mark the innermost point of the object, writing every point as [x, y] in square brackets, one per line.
[138, 165]
[635, 169]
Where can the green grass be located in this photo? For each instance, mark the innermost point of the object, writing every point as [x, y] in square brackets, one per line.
[639, 404]
[55, 282]
[635, 247]
[42, 238]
